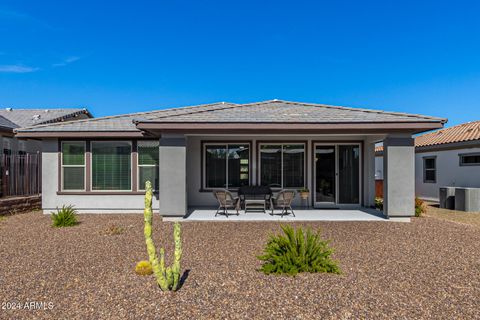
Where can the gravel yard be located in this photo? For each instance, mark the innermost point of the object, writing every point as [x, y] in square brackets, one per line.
[428, 268]
[472, 218]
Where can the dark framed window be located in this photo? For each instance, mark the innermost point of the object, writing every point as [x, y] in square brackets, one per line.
[148, 154]
[469, 159]
[226, 165]
[430, 169]
[111, 165]
[73, 165]
[282, 165]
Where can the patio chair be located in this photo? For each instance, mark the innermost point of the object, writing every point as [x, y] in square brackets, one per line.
[283, 200]
[226, 200]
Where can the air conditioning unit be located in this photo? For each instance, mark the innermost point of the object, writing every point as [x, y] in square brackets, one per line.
[467, 199]
[447, 198]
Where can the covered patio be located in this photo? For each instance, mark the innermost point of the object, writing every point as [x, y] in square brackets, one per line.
[361, 214]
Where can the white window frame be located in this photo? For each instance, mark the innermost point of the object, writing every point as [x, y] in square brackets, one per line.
[281, 144]
[74, 166]
[142, 188]
[226, 144]
[91, 166]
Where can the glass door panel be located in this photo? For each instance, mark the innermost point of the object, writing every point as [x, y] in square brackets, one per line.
[348, 174]
[325, 174]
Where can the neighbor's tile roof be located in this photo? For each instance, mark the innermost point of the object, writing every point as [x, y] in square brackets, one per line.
[469, 131]
[32, 117]
[464, 132]
[273, 111]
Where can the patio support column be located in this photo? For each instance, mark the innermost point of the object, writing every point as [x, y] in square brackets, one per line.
[399, 177]
[369, 172]
[172, 175]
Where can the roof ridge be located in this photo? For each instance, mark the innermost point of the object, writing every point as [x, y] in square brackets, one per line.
[228, 105]
[411, 115]
[119, 115]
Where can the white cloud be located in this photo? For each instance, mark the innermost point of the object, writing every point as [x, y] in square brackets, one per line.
[66, 61]
[16, 68]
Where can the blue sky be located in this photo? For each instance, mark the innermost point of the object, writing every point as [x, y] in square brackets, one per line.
[118, 57]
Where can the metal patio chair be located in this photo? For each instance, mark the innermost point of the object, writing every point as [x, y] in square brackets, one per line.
[283, 200]
[226, 200]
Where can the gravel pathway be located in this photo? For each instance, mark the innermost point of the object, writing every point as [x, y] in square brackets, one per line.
[428, 268]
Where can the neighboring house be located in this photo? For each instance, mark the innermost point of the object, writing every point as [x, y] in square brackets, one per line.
[101, 164]
[18, 157]
[11, 119]
[447, 157]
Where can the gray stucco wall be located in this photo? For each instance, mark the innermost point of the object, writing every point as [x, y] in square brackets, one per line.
[449, 172]
[97, 203]
[199, 198]
[399, 177]
[174, 159]
[173, 178]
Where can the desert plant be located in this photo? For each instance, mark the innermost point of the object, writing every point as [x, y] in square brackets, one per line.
[297, 251]
[143, 268]
[113, 230]
[65, 217]
[379, 203]
[168, 278]
[420, 207]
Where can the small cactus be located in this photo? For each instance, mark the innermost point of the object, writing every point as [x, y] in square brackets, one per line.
[168, 278]
[143, 268]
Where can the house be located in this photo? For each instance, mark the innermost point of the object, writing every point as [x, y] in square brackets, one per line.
[447, 157]
[20, 156]
[100, 165]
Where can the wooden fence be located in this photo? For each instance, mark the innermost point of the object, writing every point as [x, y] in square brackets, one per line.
[20, 175]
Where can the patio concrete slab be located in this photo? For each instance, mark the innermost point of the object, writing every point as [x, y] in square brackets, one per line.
[207, 214]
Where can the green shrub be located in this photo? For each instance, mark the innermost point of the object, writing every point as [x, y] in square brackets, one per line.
[420, 207]
[379, 203]
[297, 251]
[65, 217]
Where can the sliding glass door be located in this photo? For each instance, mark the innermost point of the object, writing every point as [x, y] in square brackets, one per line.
[325, 182]
[348, 174]
[337, 174]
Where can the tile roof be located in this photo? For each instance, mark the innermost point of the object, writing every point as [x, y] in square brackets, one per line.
[464, 132]
[290, 112]
[7, 124]
[32, 117]
[122, 122]
[273, 111]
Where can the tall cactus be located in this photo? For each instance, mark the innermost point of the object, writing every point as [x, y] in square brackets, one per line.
[168, 278]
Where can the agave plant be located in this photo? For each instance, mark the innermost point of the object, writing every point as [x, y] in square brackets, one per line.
[297, 251]
[65, 217]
